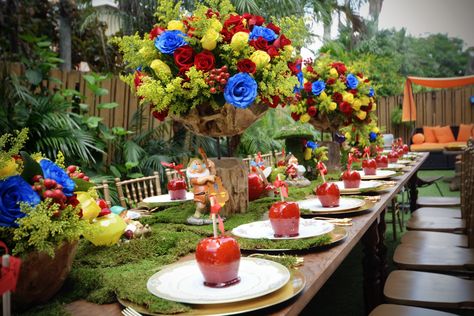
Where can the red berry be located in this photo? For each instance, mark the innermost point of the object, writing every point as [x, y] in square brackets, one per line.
[223, 81]
[227, 75]
[211, 82]
[58, 194]
[80, 175]
[37, 187]
[49, 183]
[58, 186]
[212, 77]
[213, 90]
[224, 68]
[37, 178]
[86, 178]
[48, 194]
[71, 169]
[128, 234]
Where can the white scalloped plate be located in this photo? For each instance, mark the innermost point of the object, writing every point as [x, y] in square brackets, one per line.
[364, 185]
[379, 174]
[314, 205]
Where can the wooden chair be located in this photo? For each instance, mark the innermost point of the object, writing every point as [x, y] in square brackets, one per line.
[173, 174]
[424, 238]
[104, 192]
[402, 310]
[247, 161]
[437, 212]
[133, 191]
[267, 159]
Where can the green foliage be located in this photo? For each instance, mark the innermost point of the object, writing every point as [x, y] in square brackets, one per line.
[10, 145]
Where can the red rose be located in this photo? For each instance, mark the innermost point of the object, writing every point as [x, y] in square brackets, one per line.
[353, 91]
[259, 44]
[155, 32]
[210, 13]
[310, 101]
[138, 78]
[204, 61]
[281, 42]
[295, 67]
[275, 101]
[312, 110]
[246, 65]
[233, 25]
[345, 108]
[337, 97]
[160, 115]
[184, 57]
[360, 75]
[330, 81]
[273, 27]
[295, 116]
[340, 67]
[255, 20]
[310, 69]
[308, 86]
[272, 51]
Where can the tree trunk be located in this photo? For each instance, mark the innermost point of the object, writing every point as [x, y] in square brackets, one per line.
[233, 173]
[327, 31]
[375, 7]
[65, 10]
[334, 155]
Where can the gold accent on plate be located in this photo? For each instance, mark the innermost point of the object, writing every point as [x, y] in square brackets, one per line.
[367, 205]
[294, 286]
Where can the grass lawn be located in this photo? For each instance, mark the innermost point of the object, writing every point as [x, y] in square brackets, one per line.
[343, 292]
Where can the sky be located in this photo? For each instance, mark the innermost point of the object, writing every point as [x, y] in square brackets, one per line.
[420, 17]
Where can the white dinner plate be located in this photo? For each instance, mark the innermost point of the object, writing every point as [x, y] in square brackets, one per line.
[379, 174]
[404, 161]
[165, 198]
[394, 166]
[314, 205]
[183, 282]
[364, 185]
[263, 229]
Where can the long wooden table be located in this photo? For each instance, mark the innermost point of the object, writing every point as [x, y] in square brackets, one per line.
[368, 227]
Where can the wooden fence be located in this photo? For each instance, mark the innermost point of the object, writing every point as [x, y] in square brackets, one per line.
[437, 107]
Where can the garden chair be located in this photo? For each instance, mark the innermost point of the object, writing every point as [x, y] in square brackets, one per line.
[267, 159]
[104, 192]
[133, 191]
[173, 174]
[397, 310]
[247, 161]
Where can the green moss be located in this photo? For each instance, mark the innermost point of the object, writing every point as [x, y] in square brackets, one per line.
[295, 244]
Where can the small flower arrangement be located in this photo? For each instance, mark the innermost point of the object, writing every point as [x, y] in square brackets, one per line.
[331, 95]
[212, 57]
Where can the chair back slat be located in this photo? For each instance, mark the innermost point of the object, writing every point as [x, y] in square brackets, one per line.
[133, 191]
[104, 192]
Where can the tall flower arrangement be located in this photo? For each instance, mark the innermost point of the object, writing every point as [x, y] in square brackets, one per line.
[212, 57]
[331, 95]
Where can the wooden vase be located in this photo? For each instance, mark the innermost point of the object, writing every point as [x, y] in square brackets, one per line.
[234, 175]
[42, 276]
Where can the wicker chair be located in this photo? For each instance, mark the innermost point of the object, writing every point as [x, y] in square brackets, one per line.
[133, 191]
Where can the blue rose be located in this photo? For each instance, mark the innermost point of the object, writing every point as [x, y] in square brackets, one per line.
[372, 136]
[299, 87]
[371, 92]
[241, 90]
[169, 41]
[260, 31]
[312, 145]
[53, 171]
[318, 87]
[13, 191]
[351, 81]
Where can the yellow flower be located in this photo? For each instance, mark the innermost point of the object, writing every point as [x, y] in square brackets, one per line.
[160, 67]
[356, 105]
[307, 153]
[9, 169]
[305, 118]
[348, 136]
[176, 25]
[288, 48]
[374, 107]
[364, 100]
[332, 106]
[293, 108]
[361, 115]
[375, 130]
[239, 41]
[348, 97]
[333, 73]
[323, 96]
[216, 25]
[260, 58]
[209, 40]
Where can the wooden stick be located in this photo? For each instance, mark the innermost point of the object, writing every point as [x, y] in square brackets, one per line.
[213, 216]
[281, 193]
[6, 296]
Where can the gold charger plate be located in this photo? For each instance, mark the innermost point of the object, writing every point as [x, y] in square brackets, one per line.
[367, 205]
[294, 286]
[337, 234]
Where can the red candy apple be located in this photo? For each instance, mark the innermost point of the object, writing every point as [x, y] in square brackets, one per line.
[218, 259]
[328, 194]
[285, 219]
[369, 166]
[177, 189]
[351, 179]
[256, 186]
[382, 161]
[406, 149]
[392, 157]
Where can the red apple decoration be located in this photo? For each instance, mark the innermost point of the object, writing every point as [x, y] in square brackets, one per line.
[177, 189]
[381, 161]
[406, 149]
[256, 186]
[328, 194]
[285, 219]
[218, 259]
[351, 179]
[400, 152]
[369, 166]
[392, 157]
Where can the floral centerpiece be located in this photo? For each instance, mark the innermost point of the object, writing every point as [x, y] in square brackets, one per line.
[331, 95]
[214, 70]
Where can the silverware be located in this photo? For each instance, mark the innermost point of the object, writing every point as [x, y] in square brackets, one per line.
[130, 312]
[336, 221]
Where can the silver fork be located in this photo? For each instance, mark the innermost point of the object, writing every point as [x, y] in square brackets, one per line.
[130, 312]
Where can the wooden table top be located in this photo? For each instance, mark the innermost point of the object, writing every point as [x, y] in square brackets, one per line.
[318, 266]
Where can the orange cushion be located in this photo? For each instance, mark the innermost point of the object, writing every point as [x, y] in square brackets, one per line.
[465, 131]
[430, 136]
[418, 138]
[444, 134]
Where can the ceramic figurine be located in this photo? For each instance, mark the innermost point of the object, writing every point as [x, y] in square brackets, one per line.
[295, 173]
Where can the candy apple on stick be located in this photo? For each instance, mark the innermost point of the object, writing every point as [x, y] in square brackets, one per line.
[381, 160]
[350, 177]
[177, 188]
[284, 216]
[327, 193]
[369, 165]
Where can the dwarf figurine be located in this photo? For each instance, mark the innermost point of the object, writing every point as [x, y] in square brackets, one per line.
[200, 175]
[295, 173]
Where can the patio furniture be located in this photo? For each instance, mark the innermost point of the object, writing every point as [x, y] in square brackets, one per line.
[447, 212]
[133, 191]
[438, 201]
[398, 310]
[425, 238]
[103, 189]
